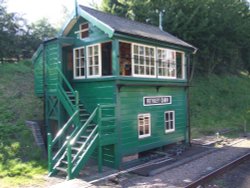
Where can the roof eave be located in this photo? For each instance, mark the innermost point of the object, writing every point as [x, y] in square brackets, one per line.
[191, 48]
[68, 25]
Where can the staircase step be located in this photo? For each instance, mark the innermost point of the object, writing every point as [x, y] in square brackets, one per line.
[79, 142]
[92, 125]
[75, 148]
[83, 136]
[61, 169]
[64, 162]
[84, 114]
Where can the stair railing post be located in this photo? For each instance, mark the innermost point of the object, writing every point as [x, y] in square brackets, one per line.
[49, 152]
[69, 159]
[77, 99]
[99, 124]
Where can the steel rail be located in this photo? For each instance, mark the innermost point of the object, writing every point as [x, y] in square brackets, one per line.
[219, 171]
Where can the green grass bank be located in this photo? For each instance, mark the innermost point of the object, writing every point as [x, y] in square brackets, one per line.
[220, 103]
[20, 159]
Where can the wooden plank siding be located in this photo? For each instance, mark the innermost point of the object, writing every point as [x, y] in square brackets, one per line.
[131, 104]
[38, 74]
[91, 94]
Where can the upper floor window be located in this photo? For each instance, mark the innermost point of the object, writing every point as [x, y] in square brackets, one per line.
[79, 59]
[94, 61]
[153, 62]
[143, 60]
[84, 30]
[166, 63]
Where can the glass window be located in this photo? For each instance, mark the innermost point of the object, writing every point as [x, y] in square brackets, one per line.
[144, 125]
[94, 62]
[143, 61]
[166, 63]
[84, 30]
[169, 121]
[79, 59]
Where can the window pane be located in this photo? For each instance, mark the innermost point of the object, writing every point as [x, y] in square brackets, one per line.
[141, 132]
[167, 125]
[135, 49]
[90, 71]
[82, 71]
[90, 51]
[141, 60]
[96, 50]
[96, 60]
[136, 70]
[141, 48]
[82, 52]
[96, 71]
[136, 61]
[146, 129]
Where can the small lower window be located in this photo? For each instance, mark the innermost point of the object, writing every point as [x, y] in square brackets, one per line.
[169, 121]
[144, 125]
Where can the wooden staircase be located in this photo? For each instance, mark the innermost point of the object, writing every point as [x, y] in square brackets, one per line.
[79, 137]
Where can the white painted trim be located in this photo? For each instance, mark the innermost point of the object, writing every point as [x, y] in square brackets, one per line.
[170, 130]
[74, 63]
[99, 61]
[138, 127]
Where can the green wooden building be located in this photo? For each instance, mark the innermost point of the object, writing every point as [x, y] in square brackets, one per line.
[112, 88]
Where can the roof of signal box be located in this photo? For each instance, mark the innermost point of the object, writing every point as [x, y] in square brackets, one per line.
[121, 25]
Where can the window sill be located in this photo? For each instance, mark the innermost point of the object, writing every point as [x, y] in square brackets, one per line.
[170, 131]
[143, 136]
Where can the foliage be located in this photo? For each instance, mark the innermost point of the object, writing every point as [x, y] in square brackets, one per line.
[17, 104]
[219, 29]
[18, 39]
[218, 103]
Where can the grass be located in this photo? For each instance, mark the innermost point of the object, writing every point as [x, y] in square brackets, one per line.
[20, 159]
[220, 103]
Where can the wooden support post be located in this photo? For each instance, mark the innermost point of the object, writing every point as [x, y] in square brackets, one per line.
[99, 124]
[69, 160]
[115, 58]
[99, 157]
[50, 165]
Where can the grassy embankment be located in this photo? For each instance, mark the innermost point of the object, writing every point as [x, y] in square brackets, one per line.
[220, 103]
[217, 103]
[20, 160]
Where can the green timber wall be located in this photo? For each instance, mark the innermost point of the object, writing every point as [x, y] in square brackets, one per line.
[52, 58]
[131, 104]
[38, 72]
[91, 93]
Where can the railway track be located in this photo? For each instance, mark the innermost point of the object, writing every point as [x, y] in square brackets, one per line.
[204, 179]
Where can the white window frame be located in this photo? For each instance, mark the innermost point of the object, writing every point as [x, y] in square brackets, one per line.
[169, 121]
[144, 55]
[83, 30]
[99, 61]
[74, 62]
[183, 65]
[167, 53]
[146, 115]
